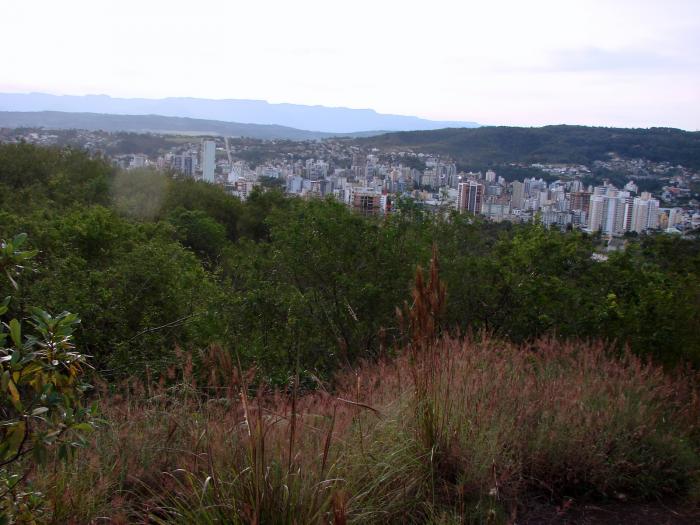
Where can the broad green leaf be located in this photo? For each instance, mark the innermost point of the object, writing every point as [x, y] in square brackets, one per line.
[19, 240]
[83, 427]
[14, 438]
[16, 332]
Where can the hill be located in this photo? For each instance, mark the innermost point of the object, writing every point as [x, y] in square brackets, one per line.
[156, 124]
[551, 144]
[321, 118]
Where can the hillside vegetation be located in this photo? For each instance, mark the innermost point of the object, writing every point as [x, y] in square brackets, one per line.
[465, 431]
[488, 146]
[152, 263]
[284, 361]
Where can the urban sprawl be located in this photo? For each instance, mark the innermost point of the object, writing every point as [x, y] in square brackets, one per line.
[372, 181]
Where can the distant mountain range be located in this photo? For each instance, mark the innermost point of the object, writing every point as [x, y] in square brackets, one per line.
[315, 118]
[158, 124]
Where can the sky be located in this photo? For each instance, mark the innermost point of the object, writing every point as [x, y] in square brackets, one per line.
[630, 63]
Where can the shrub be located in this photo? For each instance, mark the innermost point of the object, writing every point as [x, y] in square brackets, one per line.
[40, 392]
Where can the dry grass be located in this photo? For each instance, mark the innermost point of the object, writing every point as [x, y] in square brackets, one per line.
[453, 430]
[493, 426]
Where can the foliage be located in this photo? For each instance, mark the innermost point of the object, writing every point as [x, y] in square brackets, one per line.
[146, 143]
[40, 391]
[199, 232]
[619, 179]
[176, 280]
[210, 199]
[32, 177]
[415, 163]
[155, 263]
[485, 146]
[270, 182]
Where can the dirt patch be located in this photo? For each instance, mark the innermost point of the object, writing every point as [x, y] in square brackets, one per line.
[611, 514]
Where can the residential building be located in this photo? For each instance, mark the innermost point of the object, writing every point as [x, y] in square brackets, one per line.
[518, 196]
[208, 160]
[470, 196]
[645, 213]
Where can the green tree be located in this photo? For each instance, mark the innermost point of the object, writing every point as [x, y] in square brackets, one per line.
[199, 232]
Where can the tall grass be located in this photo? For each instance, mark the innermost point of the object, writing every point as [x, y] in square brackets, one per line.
[507, 423]
[453, 430]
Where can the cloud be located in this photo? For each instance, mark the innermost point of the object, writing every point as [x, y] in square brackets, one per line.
[595, 60]
[303, 51]
[605, 60]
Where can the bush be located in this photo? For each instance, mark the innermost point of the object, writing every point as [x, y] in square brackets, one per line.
[40, 391]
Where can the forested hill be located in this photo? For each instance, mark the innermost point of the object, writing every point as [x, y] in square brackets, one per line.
[552, 144]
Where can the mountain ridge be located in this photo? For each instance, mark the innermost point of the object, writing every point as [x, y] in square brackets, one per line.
[305, 117]
[161, 124]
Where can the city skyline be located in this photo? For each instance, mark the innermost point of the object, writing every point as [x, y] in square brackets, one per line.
[615, 196]
[631, 64]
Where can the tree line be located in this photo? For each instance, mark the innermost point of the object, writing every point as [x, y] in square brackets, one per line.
[156, 265]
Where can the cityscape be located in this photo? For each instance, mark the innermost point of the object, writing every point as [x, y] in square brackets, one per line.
[371, 181]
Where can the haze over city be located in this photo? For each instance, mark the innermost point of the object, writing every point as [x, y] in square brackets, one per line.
[624, 63]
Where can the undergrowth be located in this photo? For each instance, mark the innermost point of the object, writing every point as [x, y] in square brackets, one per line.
[451, 430]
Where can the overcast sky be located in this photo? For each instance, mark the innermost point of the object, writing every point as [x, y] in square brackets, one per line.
[517, 62]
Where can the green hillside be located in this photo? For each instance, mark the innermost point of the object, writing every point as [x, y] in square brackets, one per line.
[550, 144]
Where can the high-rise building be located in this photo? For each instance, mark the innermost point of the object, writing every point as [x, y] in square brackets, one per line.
[366, 201]
[185, 164]
[645, 213]
[580, 201]
[495, 211]
[628, 207]
[518, 198]
[533, 186]
[429, 179]
[138, 161]
[470, 196]
[675, 216]
[576, 186]
[208, 160]
[610, 210]
[632, 187]
[596, 213]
